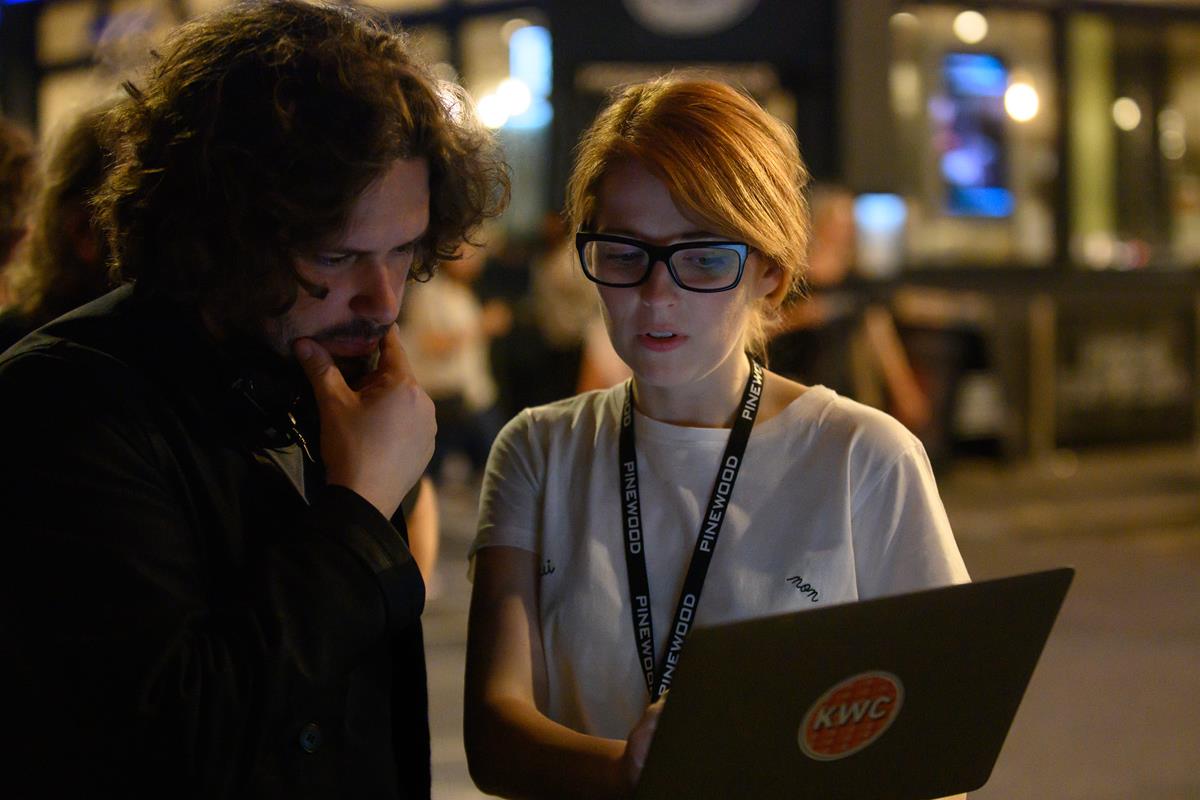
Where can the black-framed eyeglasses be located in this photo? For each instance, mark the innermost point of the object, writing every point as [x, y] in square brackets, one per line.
[619, 261]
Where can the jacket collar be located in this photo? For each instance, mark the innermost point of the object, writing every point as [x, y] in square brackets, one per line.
[239, 386]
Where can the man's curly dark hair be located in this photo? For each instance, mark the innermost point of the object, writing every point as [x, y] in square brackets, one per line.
[256, 130]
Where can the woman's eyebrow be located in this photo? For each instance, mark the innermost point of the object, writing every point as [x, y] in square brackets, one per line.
[680, 237]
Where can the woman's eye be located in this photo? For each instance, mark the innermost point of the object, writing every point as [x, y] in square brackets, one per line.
[622, 256]
[708, 259]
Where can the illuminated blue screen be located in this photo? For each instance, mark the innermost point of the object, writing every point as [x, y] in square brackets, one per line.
[970, 124]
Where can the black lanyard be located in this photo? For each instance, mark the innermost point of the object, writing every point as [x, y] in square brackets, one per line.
[710, 528]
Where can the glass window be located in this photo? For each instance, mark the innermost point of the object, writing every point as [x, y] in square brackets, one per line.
[195, 8]
[431, 45]
[117, 39]
[64, 32]
[1134, 142]
[507, 68]
[973, 96]
[131, 30]
[1178, 143]
[406, 6]
[65, 93]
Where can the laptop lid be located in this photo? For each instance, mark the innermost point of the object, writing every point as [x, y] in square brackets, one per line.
[907, 697]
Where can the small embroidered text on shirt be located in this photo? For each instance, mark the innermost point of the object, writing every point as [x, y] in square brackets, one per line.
[803, 587]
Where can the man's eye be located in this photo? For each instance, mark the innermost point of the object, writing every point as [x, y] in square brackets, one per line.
[332, 259]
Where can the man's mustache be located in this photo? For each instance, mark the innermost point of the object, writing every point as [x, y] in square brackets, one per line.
[355, 329]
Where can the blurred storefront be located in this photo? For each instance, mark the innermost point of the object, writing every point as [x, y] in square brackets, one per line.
[1046, 158]
[1028, 173]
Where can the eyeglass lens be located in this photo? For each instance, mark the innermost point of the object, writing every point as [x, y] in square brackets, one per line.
[696, 268]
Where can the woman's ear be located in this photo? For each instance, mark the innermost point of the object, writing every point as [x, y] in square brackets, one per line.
[770, 285]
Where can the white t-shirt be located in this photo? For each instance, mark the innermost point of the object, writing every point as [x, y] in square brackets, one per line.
[835, 502]
[446, 307]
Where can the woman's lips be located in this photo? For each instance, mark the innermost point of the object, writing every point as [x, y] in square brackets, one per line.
[661, 344]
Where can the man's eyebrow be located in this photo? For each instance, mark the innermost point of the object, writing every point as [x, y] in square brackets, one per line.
[339, 247]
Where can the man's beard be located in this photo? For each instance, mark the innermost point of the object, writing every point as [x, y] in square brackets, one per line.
[281, 334]
[354, 370]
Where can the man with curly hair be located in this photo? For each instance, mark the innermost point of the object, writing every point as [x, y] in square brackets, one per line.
[207, 586]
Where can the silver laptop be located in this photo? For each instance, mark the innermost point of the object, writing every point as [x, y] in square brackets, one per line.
[907, 697]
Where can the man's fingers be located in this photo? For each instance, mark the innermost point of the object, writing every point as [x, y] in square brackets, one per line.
[392, 358]
[323, 374]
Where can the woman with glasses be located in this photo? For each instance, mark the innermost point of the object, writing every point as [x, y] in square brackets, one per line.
[706, 489]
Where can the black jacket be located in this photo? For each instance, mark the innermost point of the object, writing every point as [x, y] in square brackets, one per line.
[177, 619]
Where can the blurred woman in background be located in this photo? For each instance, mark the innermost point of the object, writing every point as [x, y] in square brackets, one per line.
[68, 257]
[837, 335]
[17, 170]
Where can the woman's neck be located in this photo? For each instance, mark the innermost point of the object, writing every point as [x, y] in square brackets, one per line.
[711, 402]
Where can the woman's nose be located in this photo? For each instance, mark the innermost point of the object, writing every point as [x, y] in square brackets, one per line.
[659, 286]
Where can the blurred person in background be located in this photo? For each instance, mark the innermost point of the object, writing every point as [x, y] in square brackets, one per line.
[546, 356]
[422, 516]
[564, 304]
[446, 333]
[836, 335]
[503, 285]
[66, 264]
[17, 173]
[207, 589]
[571, 321]
[695, 233]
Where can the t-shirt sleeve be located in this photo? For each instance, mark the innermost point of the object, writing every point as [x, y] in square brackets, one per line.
[510, 501]
[902, 537]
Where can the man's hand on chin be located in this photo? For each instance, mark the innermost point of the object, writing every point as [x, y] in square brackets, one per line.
[377, 437]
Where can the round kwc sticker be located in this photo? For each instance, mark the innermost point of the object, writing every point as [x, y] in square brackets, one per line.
[851, 715]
